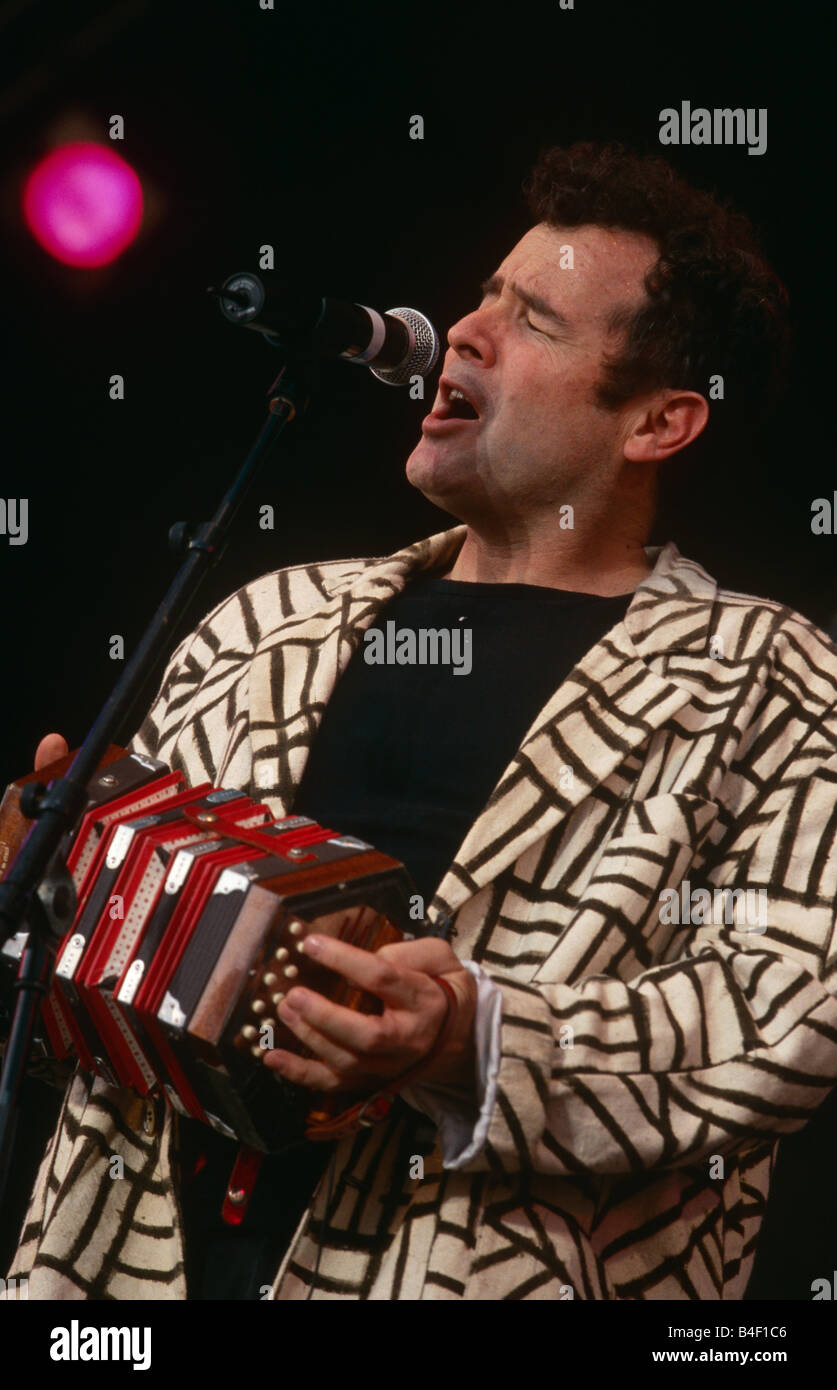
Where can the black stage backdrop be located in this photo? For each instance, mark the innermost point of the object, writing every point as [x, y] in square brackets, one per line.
[290, 126]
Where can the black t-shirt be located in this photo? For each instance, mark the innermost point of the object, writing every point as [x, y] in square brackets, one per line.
[407, 755]
[417, 733]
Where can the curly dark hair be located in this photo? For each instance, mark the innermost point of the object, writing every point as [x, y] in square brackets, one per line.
[714, 306]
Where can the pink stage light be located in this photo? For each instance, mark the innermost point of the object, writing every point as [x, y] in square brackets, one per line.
[83, 203]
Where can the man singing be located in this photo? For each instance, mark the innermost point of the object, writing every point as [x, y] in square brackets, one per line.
[629, 746]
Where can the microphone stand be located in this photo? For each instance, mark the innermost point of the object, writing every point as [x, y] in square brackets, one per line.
[39, 891]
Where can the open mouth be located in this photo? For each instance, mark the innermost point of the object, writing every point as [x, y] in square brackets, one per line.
[453, 403]
[458, 407]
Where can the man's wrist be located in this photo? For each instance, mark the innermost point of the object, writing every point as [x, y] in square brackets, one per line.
[463, 1115]
[455, 1065]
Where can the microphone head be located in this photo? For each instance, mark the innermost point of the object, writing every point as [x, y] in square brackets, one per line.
[424, 350]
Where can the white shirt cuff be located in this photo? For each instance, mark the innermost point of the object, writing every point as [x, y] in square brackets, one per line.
[462, 1125]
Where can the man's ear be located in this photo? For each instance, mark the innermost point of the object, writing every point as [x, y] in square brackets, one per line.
[663, 425]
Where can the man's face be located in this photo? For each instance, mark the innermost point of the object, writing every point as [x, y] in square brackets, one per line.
[540, 439]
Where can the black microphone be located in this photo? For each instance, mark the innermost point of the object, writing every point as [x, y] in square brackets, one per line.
[397, 345]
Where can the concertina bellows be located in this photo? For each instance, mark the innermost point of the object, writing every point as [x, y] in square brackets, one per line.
[192, 904]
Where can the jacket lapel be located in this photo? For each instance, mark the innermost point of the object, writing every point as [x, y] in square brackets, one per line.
[296, 667]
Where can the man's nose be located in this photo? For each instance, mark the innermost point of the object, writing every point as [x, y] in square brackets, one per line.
[473, 336]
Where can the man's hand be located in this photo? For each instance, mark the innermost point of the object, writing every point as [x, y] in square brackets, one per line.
[356, 1051]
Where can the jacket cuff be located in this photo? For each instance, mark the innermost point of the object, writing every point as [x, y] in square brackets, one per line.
[463, 1117]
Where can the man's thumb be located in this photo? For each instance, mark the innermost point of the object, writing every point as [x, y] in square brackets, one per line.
[49, 750]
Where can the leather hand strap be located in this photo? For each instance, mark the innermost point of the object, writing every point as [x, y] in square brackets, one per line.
[377, 1106]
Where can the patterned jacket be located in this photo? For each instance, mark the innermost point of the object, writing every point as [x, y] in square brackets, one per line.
[694, 746]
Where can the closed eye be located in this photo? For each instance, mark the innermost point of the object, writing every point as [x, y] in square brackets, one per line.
[488, 293]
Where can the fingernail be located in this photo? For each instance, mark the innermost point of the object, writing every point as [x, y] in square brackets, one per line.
[312, 945]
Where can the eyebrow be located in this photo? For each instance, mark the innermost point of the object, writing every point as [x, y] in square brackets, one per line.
[494, 284]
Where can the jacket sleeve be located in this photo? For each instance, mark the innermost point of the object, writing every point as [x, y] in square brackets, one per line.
[732, 1041]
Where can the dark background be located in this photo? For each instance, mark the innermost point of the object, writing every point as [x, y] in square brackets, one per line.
[291, 128]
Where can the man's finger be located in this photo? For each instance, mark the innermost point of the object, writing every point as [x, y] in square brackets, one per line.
[369, 969]
[312, 1019]
[303, 1071]
[356, 1033]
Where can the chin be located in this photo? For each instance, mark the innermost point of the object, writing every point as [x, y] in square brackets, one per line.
[435, 470]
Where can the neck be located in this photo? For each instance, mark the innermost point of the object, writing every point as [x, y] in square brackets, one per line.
[606, 566]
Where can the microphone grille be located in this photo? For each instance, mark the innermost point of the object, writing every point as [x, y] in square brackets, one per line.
[425, 351]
